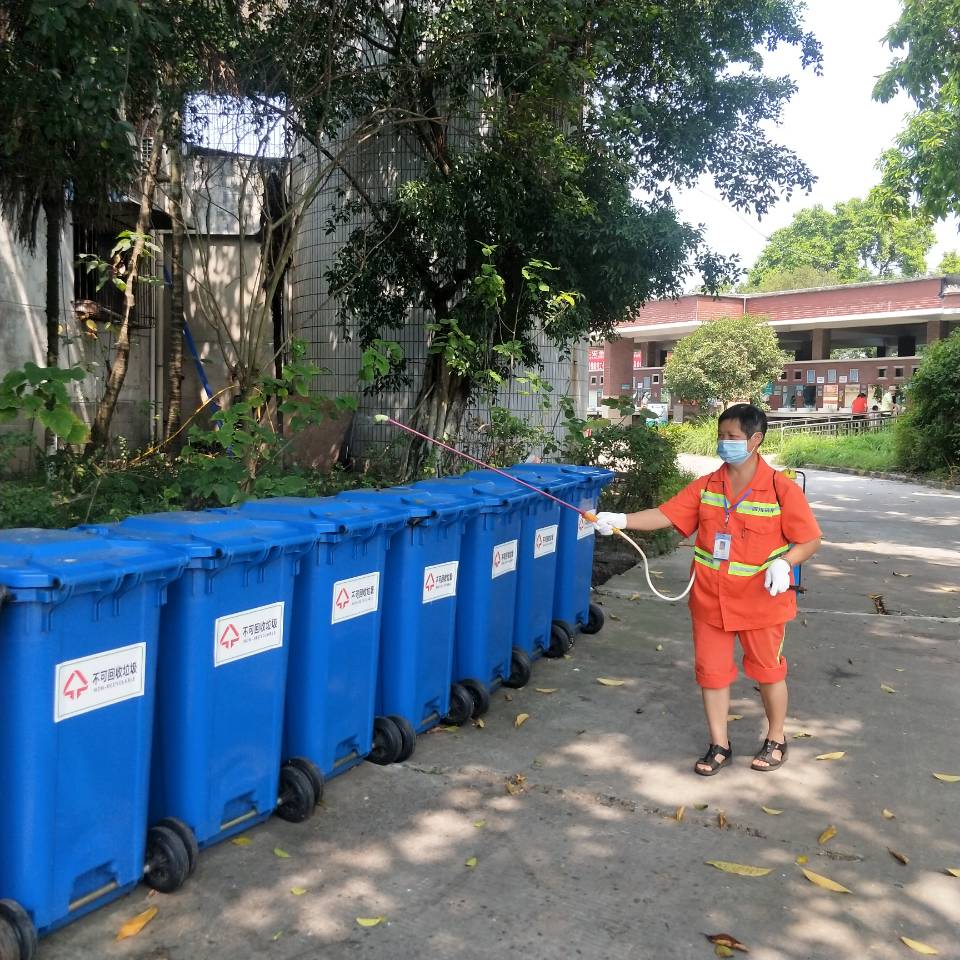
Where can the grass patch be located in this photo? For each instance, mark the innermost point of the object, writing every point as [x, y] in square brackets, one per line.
[700, 437]
[866, 451]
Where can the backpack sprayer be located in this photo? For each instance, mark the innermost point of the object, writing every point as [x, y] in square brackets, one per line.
[586, 514]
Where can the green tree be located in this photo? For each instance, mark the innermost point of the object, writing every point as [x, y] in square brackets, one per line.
[928, 434]
[950, 262]
[802, 277]
[726, 360]
[921, 170]
[856, 240]
[546, 134]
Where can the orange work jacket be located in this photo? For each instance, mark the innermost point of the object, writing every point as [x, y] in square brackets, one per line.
[772, 514]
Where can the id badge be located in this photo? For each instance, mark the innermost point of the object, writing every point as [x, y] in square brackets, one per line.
[721, 546]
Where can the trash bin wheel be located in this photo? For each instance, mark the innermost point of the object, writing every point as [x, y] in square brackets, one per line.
[168, 862]
[387, 742]
[18, 935]
[297, 797]
[313, 772]
[187, 836]
[521, 668]
[595, 620]
[479, 694]
[408, 737]
[560, 641]
[461, 706]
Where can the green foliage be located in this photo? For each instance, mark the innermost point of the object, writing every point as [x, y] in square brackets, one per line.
[928, 434]
[921, 169]
[800, 277]
[731, 358]
[700, 437]
[950, 262]
[856, 240]
[866, 451]
[40, 393]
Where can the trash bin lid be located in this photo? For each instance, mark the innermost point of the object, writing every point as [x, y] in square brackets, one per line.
[490, 497]
[208, 534]
[326, 515]
[33, 558]
[547, 476]
[418, 504]
[506, 486]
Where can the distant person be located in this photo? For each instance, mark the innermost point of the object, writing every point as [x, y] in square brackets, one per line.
[753, 525]
[887, 402]
[859, 405]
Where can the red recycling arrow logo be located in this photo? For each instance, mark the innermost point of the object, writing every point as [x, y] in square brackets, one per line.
[496, 559]
[429, 583]
[343, 599]
[539, 540]
[229, 637]
[75, 685]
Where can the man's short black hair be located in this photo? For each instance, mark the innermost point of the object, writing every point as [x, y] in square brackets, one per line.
[751, 419]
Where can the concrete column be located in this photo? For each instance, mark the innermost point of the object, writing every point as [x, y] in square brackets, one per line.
[936, 330]
[651, 353]
[820, 343]
[906, 346]
[881, 351]
[618, 368]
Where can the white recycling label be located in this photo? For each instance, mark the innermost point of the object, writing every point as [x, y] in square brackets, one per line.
[545, 541]
[99, 680]
[439, 581]
[504, 559]
[355, 597]
[584, 527]
[247, 633]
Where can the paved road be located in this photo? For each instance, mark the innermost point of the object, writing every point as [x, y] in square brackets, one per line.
[589, 861]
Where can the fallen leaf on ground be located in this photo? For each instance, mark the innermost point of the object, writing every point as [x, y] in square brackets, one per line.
[678, 816]
[479, 824]
[897, 573]
[470, 862]
[948, 777]
[740, 869]
[898, 856]
[277, 936]
[659, 647]
[886, 688]
[568, 656]
[241, 841]
[920, 947]
[479, 722]
[700, 806]
[607, 682]
[726, 940]
[516, 784]
[899, 669]
[520, 719]
[801, 859]
[953, 871]
[370, 921]
[612, 616]
[827, 835]
[508, 697]
[722, 950]
[546, 689]
[771, 811]
[888, 814]
[833, 756]
[282, 854]
[133, 926]
[802, 735]
[721, 819]
[298, 891]
[825, 882]
[734, 716]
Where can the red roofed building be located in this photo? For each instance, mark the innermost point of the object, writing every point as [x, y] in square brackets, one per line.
[896, 317]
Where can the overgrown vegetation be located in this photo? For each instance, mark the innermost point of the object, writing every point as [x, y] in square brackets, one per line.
[865, 451]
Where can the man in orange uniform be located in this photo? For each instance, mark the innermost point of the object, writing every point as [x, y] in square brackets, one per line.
[752, 525]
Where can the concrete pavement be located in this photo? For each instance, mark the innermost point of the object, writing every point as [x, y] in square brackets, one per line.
[588, 859]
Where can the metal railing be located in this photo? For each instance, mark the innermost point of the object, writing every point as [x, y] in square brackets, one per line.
[836, 426]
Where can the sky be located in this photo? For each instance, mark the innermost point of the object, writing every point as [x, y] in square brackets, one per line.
[831, 122]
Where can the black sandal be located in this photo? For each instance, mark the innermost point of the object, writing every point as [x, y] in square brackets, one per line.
[710, 760]
[765, 753]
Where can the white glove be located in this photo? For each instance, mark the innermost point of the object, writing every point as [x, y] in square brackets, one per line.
[605, 523]
[777, 578]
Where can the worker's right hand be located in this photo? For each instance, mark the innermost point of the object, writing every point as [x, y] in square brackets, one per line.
[605, 523]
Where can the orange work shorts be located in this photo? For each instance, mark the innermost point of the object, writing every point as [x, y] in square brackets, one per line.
[713, 654]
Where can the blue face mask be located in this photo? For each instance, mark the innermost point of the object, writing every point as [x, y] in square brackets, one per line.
[732, 451]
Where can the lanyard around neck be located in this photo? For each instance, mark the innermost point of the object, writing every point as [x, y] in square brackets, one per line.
[728, 508]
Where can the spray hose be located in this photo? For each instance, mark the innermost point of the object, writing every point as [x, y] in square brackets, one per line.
[586, 514]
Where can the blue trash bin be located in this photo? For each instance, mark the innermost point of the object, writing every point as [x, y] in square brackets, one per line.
[222, 673]
[483, 647]
[534, 631]
[419, 603]
[79, 623]
[571, 599]
[335, 632]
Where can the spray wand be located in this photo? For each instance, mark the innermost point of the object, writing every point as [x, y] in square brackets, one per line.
[586, 514]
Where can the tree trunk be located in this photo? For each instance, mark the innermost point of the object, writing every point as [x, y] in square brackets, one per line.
[441, 405]
[53, 211]
[175, 354]
[100, 432]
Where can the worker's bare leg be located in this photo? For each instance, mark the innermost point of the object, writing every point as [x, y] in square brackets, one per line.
[774, 696]
[716, 705]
